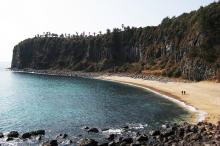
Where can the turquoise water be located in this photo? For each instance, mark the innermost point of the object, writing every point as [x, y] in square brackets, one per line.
[66, 104]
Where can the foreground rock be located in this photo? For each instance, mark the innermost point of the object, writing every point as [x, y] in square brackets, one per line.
[184, 134]
[95, 130]
[87, 142]
[1, 135]
[13, 134]
[51, 143]
[38, 132]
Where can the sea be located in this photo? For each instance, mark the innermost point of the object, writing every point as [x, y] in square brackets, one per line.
[61, 104]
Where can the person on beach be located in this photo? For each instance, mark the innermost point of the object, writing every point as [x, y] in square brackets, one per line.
[182, 92]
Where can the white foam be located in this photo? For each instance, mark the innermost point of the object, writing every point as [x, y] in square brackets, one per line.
[137, 126]
[113, 131]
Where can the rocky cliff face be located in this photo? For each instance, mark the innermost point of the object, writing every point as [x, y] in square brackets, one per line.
[186, 46]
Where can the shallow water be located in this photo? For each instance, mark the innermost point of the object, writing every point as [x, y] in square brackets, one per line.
[66, 104]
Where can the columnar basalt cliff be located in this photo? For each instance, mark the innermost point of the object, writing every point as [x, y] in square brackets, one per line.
[187, 46]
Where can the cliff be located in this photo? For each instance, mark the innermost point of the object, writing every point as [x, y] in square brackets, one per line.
[187, 46]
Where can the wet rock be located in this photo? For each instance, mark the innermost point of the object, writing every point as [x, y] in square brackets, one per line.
[124, 144]
[194, 128]
[95, 130]
[87, 142]
[142, 138]
[112, 143]
[62, 136]
[1, 135]
[127, 140]
[38, 132]
[26, 135]
[9, 138]
[195, 137]
[217, 137]
[181, 132]
[135, 144]
[14, 134]
[111, 137]
[126, 127]
[218, 125]
[103, 144]
[154, 132]
[187, 136]
[53, 143]
[168, 132]
[199, 124]
[86, 127]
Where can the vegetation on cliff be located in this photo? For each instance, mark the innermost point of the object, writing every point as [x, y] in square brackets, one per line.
[187, 46]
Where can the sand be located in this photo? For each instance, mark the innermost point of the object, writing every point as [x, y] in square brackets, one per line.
[204, 96]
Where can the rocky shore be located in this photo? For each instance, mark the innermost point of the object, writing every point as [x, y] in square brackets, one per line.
[185, 134]
[70, 73]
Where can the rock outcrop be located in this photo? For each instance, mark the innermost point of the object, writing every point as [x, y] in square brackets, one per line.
[187, 46]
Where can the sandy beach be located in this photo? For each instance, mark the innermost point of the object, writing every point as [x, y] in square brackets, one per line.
[204, 96]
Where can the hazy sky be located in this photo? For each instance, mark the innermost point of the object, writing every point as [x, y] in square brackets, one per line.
[20, 19]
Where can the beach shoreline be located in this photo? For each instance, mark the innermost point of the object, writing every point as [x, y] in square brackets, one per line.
[197, 115]
[165, 87]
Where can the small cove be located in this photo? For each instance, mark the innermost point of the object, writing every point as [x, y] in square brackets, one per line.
[66, 104]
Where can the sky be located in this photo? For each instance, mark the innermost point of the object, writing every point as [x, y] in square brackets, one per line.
[21, 19]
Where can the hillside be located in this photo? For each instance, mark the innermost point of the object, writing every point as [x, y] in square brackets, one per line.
[187, 46]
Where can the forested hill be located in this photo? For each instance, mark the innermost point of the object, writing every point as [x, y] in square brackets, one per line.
[187, 46]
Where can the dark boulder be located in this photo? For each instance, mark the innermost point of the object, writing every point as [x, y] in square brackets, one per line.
[154, 132]
[188, 136]
[112, 143]
[181, 132]
[62, 136]
[14, 134]
[9, 139]
[126, 127]
[103, 144]
[38, 132]
[26, 135]
[95, 130]
[1, 135]
[53, 143]
[135, 144]
[127, 140]
[142, 138]
[124, 144]
[217, 137]
[87, 142]
[194, 128]
[111, 137]
[86, 127]
[168, 132]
